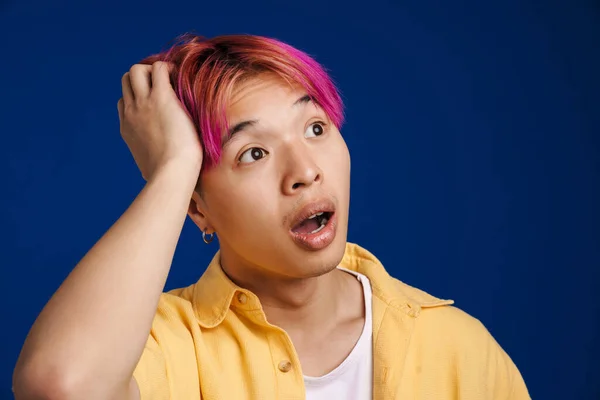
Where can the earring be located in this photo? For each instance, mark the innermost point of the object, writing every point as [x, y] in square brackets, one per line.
[211, 236]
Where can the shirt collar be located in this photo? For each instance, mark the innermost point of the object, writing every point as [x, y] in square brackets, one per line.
[390, 290]
[214, 293]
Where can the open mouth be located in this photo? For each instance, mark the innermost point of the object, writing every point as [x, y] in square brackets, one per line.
[313, 224]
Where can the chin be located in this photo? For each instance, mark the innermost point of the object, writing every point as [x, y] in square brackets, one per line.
[321, 262]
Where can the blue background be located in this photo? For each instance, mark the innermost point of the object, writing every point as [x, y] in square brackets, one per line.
[473, 130]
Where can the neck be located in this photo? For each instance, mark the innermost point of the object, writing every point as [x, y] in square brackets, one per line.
[303, 304]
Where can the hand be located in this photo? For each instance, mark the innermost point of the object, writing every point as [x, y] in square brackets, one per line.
[154, 124]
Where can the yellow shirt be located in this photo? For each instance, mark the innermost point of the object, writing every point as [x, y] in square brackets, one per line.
[211, 341]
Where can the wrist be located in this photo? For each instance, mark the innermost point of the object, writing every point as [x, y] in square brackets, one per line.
[178, 172]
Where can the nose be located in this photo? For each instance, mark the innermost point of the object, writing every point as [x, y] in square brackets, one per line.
[301, 171]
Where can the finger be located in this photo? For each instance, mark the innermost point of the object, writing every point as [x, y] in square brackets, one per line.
[140, 76]
[161, 75]
[126, 88]
[120, 109]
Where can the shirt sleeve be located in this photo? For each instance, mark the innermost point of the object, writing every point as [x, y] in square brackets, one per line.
[501, 369]
[150, 373]
[519, 389]
[483, 368]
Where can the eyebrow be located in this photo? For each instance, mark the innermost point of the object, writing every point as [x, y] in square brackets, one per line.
[240, 126]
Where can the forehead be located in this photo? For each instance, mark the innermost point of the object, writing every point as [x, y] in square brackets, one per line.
[263, 95]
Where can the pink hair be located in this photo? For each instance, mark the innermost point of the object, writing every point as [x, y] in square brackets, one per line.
[207, 70]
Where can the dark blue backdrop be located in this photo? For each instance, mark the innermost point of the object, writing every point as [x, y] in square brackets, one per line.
[473, 131]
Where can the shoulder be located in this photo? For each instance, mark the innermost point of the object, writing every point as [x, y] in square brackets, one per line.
[453, 337]
[174, 330]
[456, 321]
[168, 360]
[453, 328]
[174, 311]
[439, 322]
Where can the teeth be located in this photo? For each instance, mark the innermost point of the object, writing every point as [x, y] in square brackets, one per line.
[318, 229]
[323, 223]
[316, 215]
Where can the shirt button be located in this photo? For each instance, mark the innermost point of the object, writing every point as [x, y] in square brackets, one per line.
[285, 366]
[242, 298]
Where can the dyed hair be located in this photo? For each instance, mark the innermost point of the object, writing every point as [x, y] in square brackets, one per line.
[206, 72]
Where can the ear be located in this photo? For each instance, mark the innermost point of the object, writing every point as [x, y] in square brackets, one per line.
[197, 213]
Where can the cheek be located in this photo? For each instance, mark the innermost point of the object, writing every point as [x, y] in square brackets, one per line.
[338, 160]
[238, 208]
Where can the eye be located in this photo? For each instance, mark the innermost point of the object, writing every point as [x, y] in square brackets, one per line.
[251, 155]
[315, 129]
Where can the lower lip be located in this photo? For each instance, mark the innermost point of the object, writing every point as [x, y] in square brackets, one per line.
[318, 240]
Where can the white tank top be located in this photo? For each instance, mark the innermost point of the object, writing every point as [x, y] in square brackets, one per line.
[353, 378]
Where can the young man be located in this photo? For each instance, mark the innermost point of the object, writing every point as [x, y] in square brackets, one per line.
[248, 129]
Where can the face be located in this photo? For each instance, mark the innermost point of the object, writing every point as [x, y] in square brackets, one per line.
[284, 163]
